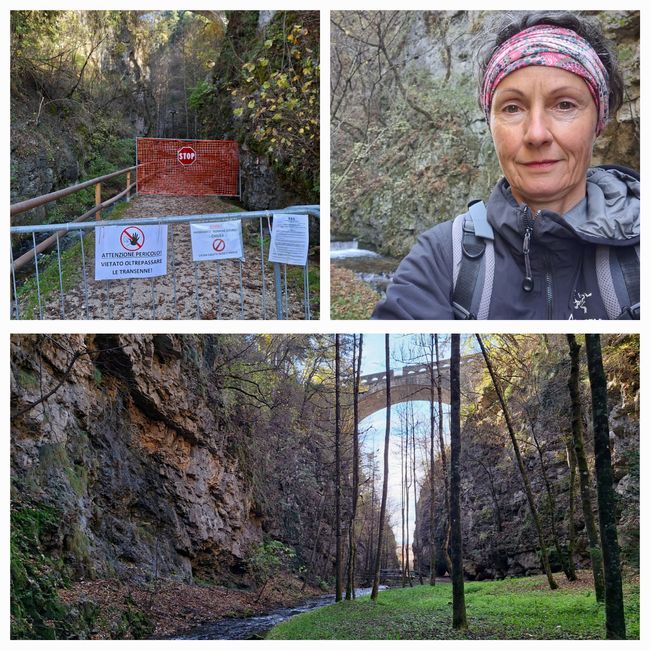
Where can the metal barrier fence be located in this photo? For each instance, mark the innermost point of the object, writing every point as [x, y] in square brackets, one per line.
[61, 286]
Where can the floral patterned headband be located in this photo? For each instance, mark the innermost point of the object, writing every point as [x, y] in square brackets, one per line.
[552, 46]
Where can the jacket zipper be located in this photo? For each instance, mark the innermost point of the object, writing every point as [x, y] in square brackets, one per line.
[528, 283]
[549, 290]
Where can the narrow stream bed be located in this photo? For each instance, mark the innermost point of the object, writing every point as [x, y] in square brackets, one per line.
[369, 266]
[255, 627]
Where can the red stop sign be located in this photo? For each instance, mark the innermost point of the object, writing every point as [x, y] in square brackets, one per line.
[186, 155]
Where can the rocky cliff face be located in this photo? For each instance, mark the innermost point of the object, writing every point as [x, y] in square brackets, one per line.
[173, 456]
[499, 538]
[58, 138]
[130, 451]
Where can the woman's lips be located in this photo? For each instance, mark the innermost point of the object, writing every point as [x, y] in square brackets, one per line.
[540, 164]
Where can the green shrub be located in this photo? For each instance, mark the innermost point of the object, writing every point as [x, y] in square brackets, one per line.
[36, 611]
[269, 558]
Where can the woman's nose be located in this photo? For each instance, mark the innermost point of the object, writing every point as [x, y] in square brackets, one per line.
[537, 127]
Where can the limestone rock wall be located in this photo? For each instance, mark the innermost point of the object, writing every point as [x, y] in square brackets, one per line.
[130, 451]
[499, 538]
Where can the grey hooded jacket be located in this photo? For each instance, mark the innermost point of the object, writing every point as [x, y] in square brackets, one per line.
[562, 256]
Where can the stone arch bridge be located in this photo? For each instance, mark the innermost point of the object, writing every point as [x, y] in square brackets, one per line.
[410, 383]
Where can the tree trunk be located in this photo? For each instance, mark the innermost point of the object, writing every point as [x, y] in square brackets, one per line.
[577, 429]
[415, 496]
[384, 493]
[432, 475]
[459, 614]
[352, 553]
[337, 479]
[571, 527]
[522, 468]
[402, 499]
[407, 490]
[187, 121]
[614, 611]
[443, 462]
[370, 564]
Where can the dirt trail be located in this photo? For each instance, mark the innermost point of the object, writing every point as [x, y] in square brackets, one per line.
[192, 292]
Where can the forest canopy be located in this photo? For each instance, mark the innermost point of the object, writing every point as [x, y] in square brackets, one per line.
[84, 84]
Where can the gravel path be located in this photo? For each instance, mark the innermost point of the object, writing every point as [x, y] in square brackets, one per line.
[206, 290]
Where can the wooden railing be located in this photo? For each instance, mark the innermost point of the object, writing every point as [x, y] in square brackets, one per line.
[30, 204]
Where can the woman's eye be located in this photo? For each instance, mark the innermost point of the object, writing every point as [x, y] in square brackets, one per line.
[511, 108]
[566, 105]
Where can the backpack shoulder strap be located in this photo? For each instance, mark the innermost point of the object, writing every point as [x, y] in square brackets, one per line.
[618, 273]
[473, 260]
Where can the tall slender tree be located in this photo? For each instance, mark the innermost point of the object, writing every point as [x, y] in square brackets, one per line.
[443, 462]
[571, 524]
[614, 610]
[458, 589]
[417, 561]
[337, 479]
[404, 423]
[577, 430]
[370, 562]
[520, 464]
[384, 494]
[432, 473]
[407, 490]
[352, 546]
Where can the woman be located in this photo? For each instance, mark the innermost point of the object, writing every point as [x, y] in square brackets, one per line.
[556, 239]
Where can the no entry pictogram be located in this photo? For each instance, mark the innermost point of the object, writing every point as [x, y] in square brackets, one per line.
[132, 238]
[219, 245]
[186, 155]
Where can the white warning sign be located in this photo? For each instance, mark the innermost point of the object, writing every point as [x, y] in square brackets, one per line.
[221, 240]
[289, 239]
[130, 252]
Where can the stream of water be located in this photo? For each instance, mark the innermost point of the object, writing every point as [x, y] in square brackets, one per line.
[255, 627]
[369, 266]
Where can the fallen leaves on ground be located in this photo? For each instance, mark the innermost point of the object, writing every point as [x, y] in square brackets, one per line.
[351, 299]
[172, 607]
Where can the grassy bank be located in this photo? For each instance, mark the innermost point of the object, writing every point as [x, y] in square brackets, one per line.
[518, 608]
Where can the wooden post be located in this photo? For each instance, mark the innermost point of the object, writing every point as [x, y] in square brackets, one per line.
[128, 184]
[98, 200]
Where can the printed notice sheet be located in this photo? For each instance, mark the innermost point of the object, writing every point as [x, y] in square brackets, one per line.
[289, 239]
[221, 240]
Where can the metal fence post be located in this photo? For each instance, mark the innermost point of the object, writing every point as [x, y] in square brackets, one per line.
[13, 278]
[277, 281]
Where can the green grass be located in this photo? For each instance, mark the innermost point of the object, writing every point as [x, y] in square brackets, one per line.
[521, 608]
[48, 279]
[296, 281]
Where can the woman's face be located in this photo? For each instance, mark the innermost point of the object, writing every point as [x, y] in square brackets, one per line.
[543, 123]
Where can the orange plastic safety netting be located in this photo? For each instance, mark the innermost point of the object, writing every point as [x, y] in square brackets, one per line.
[188, 167]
